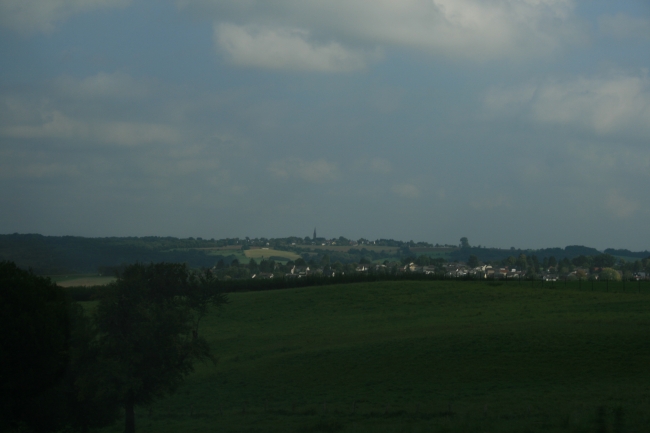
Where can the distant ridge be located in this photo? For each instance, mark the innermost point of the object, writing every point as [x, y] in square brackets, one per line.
[491, 254]
[628, 253]
[49, 255]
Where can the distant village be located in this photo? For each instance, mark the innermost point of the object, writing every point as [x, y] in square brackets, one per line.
[299, 257]
[448, 270]
[320, 257]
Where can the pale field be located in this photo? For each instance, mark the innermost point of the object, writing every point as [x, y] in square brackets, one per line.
[267, 253]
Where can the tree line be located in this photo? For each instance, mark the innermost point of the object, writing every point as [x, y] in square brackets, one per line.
[533, 267]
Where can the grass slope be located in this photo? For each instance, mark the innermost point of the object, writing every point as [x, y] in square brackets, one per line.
[420, 357]
[267, 253]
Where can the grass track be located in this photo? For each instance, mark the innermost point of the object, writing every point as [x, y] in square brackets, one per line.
[419, 357]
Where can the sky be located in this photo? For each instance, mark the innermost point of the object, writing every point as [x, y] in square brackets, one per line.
[520, 123]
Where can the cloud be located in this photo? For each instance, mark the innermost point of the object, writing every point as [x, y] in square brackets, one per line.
[379, 165]
[22, 162]
[102, 85]
[255, 32]
[619, 205]
[41, 15]
[175, 167]
[102, 108]
[37, 170]
[386, 99]
[406, 190]
[56, 125]
[283, 48]
[318, 171]
[603, 164]
[495, 202]
[603, 105]
[621, 26]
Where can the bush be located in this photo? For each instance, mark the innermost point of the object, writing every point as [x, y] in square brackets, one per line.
[83, 293]
[610, 274]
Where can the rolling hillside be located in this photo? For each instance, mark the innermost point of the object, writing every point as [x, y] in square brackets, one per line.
[420, 356]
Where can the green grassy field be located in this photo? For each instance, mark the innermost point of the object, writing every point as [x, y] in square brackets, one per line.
[420, 357]
[346, 248]
[259, 253]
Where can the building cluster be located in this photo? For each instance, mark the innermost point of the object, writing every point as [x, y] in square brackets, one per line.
[449, 270]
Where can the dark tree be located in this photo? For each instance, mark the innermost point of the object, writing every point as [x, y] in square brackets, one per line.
[34, 350]
[535, 261]
[522, 262]
[472, 262]
[88, 405]
[325, 260]
[464, 243]
[148, 331]
[604, 261]
[267, 265]
[409, 259]
[581, 261]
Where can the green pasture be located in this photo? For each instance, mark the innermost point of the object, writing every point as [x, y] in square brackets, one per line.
[436, 252]
[441, 356]
[266, 253]
[346, 248]
[238, 254]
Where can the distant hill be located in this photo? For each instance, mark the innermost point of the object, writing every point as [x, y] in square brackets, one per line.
[628, 253]
[492, 254]
[48, 255]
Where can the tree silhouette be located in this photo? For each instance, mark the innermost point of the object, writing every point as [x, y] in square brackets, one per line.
[34, 350]
[148, 331]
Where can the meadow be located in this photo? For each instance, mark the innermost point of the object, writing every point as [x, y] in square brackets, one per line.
[420, 356]
[347, 248]
[266, 253]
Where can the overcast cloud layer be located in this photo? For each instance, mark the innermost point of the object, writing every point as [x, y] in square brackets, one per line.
[513, 122]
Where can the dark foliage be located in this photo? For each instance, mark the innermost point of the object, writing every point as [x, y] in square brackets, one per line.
[244, 285]
[628, 253]
[73, 254]
[34, 350]
[148, 332]
[498, 254]
[83, 293]
[88, 404]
